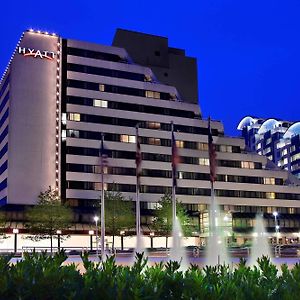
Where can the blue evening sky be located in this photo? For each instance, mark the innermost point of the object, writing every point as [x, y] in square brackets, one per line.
[248, 51]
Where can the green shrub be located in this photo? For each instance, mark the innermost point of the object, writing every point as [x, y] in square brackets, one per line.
[40, 276]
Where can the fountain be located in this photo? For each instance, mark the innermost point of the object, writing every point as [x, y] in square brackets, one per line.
[216, 250]
[177, 252]
[260, 244]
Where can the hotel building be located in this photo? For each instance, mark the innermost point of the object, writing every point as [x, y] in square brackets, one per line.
[278, 140]
[58, 95]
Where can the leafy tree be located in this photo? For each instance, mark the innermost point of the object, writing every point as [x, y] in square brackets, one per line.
[48, 216]
[118, 214]
[162, 222]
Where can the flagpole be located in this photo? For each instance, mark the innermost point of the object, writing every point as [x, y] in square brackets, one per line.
[212, 178]
[173, 179]
[138, 211]
[102, 201]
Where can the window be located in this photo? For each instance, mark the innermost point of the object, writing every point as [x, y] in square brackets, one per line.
[270, 195]
[258, 146]
[203, 146]
[74, 117]
[180, 144]
[101, 87]
[153, 94]
[153, 125]
[148, 78]
[247, 165]
[295, 157]
[64, 118]
[284, 152]
[268, 141]
[100, 103]
[269, 180]
[73, 133]
[285, 161]
[225, 148]
[267, 150]
[63, 135]
[124, 138]
[154, 141]
[204, 161]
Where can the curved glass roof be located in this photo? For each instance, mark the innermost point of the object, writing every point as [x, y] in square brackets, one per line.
[293, 130]
[246, 121]
[268, 125]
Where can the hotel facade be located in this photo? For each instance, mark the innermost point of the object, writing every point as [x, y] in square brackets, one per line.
[57, 96]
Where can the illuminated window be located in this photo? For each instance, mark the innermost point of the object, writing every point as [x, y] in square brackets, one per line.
[73, 133]
[291, 210]
[64, 135]
[153, 125]
[225, 148]
[270, 195]
[293, 148]
[268, 141]
[74, 117]
[247, 164]
[269, 180]
[98, 185]
[100, 103]
[267, 150]
[124, 138]
[284, 152]
[101, 87]
[295, 157]
[204, 161]
[285, 161]
[203, 146]
[180, 144]
[258, 146]
[180, 175]
[64, 118]
[148, 78]
[154, 141]
[153, 94]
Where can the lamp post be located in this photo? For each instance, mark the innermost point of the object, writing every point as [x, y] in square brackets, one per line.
[275, 214]
[91, 233]
[151, 234]
[58, 232]
[122, 232]
[96, 219]
[15, 232]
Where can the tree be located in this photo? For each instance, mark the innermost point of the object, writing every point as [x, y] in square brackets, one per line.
[118, 213]
[47, 217]
[3, 226]
[162, 222]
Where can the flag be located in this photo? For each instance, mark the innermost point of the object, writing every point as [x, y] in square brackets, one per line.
[175, 159]
[103, 154]
[212, 154]
[138, 157]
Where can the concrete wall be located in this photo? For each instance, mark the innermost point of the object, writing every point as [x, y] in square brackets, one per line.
[32, 121]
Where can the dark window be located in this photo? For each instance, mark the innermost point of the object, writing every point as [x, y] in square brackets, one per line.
[94, 54]
[105, 72]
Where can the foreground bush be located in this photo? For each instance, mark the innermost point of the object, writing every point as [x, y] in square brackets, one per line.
[39, 276]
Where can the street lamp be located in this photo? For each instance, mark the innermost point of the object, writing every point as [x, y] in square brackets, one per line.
[122, 232]
[15, 232]
[151, 234]
[58, 232]
[91, 233]
[275, 214]
[96, 219]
